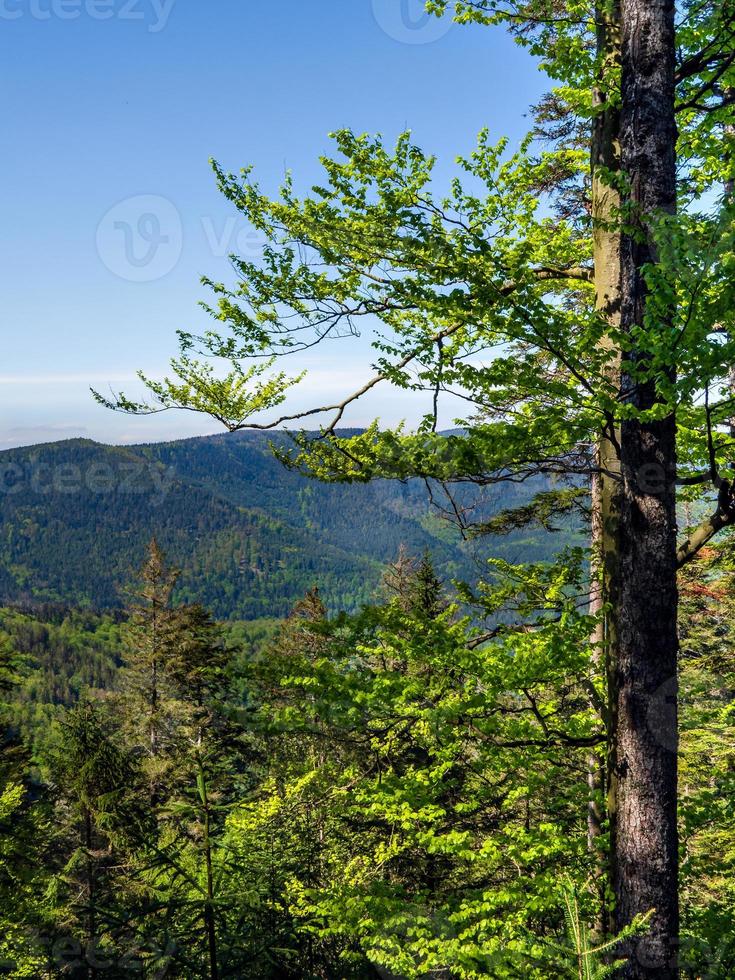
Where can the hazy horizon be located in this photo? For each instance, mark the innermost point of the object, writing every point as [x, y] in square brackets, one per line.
[112, 122]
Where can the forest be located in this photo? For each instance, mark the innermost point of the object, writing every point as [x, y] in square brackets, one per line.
[381, 794]
[511, 762]
[249, 536]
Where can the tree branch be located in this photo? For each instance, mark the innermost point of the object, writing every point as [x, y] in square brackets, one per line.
[724, 516]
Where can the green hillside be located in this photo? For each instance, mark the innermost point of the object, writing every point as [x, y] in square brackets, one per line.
[249, 536]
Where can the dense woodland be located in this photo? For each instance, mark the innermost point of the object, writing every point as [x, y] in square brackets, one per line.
[249, 536]
[521, 768]
[371, 795]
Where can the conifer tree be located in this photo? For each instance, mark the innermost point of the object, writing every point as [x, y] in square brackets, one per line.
[25, 838]
[99, 816]
[707, 760]
[149, 663]
[415, 584]
[205, 744]
[177, 677]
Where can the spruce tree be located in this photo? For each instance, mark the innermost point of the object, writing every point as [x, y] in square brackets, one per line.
[99, 817]
[148, 664]
[177, 677]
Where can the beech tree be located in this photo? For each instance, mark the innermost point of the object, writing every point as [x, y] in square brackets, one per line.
[577, 298]
[427, 779]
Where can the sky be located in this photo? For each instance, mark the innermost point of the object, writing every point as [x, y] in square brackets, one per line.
[110, 215]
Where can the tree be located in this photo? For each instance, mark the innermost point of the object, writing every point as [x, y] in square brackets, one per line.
[100, 816]
[438, 766]
[415, 584]
[149, 661]
[706, 754]
[610, 326]
[177, 677]
[24, 837]
[645, 869]
[286, 833]
[204, 740]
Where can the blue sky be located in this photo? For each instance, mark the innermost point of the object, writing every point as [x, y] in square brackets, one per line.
[111, 110]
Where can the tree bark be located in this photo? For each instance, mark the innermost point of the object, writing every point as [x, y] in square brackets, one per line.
[209, 923]
[91, 951]
[645, 868]
[605, 161]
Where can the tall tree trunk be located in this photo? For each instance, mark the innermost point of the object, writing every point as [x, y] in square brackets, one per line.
[209, 923]
[605, 160]
[91, 951]
[645, 772]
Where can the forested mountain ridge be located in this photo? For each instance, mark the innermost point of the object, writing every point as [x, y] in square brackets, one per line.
[249, 536]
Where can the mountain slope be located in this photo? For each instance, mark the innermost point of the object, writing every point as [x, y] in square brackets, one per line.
[249, 536]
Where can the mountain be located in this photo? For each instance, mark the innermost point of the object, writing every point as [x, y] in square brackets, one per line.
[249, 536]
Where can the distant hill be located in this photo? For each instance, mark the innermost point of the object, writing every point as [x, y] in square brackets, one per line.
[249, 536]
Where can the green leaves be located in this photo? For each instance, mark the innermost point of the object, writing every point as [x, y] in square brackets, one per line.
[432, 755]
[231, 399]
